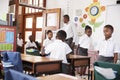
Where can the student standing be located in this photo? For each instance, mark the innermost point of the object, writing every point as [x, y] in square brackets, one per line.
[108, 48]
[85, 42]
[19, 42]
[71, 31]
[59, 49]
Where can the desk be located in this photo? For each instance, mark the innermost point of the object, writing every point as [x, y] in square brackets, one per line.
[79, 61]
[42, 65]
[58, 77]
[92, 73]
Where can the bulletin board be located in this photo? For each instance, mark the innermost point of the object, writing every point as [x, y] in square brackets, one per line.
[7, 38]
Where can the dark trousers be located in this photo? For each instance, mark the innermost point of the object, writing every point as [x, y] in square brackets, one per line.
[69, 41]
[66, 68]
[19, 49]
[83, 51]
[106, 59]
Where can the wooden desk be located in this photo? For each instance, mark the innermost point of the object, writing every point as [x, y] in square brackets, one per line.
[58, 77]
[41, 65]
[79, 61]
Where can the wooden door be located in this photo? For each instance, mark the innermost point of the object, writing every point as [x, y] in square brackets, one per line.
[51, 21]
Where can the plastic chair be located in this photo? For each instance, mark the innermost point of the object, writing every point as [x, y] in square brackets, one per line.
[15, 75]
[115, 67]
[12, 60]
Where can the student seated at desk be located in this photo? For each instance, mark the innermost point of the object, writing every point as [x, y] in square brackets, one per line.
[108, 48]
[59, 49]
[47, 41]
[31, 46]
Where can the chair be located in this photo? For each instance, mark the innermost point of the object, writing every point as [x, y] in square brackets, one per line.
[115, 67]
[15, 75]
[38, 45]
[12, 60]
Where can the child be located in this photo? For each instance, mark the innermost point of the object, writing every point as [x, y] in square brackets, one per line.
[71, 31]
[48, 40]
[108, 49]
[19, 42]
[85, 42]
[31, 44]
[59, 49]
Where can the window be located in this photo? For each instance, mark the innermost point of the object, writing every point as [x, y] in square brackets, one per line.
[39, 22]
[29, 22]
[35, 3]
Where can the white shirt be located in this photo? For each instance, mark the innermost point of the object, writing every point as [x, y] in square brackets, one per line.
[19, 42]
[85, 42]
[70, 30]
[58, 50]
[47, 42]
[30, 44]
[107, 48]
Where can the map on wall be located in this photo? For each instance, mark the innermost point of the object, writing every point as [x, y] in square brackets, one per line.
[7, 38]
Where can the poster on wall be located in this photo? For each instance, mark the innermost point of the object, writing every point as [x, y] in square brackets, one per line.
[8, 38]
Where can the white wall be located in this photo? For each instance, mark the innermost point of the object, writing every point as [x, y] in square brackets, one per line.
[70, 7]
[3, 9]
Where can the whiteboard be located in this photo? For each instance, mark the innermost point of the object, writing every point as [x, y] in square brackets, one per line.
[113, 18]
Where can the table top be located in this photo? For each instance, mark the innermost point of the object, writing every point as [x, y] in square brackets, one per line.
[77, 57]
[58, 77]
[37, 59]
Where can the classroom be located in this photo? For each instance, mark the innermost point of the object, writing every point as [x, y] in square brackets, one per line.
[59, 40]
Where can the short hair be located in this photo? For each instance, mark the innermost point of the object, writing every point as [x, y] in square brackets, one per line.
[49, 31]
[61, 35]
[66, 16]
[88, 27]
[30, 36]
[20, 34]
[110, 27]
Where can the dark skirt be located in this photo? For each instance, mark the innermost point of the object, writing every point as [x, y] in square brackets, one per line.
[83, 51]
[69, 41]
[66, 68]
[19, 49]
[106, 59]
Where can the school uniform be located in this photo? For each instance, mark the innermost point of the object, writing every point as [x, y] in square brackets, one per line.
[47, 42]
[71, 32]
[106, 49]
[85, 43]
[59, 49]
[19, 44]
[30, 44]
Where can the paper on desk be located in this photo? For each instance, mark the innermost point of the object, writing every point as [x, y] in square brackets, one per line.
[108, 73]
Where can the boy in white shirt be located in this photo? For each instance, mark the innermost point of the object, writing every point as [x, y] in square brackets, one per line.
[85, 42]
[48, 40]
[31, 44]
[19, 42]
[59, 49]
[71, 31]
[108, 48]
